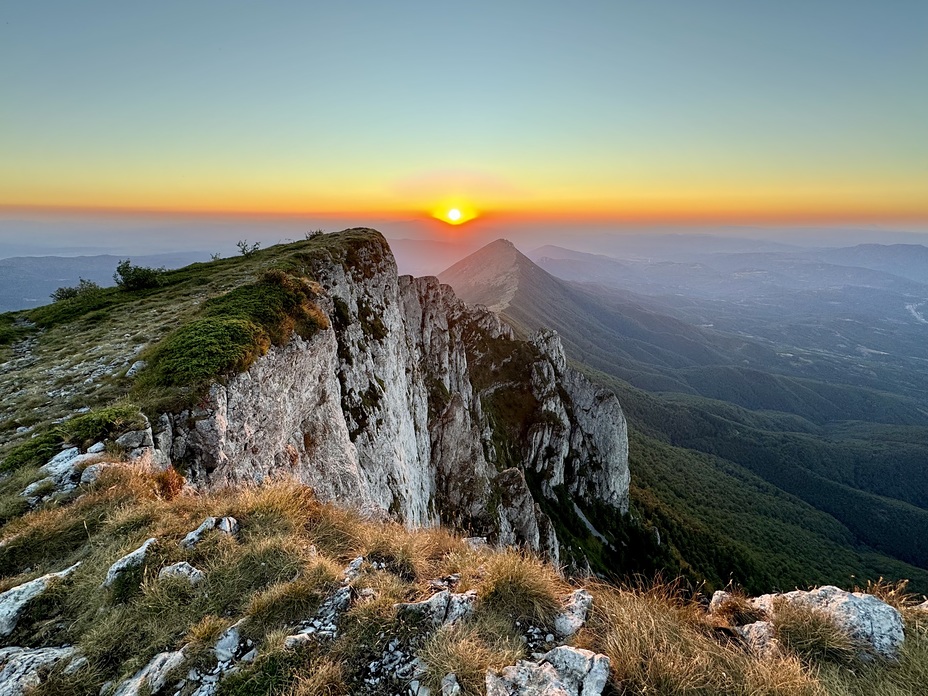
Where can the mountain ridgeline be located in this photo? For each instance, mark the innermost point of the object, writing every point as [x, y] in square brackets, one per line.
[315, 360]
[790, 469]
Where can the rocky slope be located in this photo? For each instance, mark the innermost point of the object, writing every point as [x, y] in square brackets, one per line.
[397, 408]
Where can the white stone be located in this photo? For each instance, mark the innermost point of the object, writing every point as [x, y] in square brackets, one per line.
[136, 367]
[443, 607]
[153, 676]
[450, 686]
[20, 668]
[96, 448]
[719, 597]
[14, 601]
[226, 525]
[182, 570]
[760, 637]
[863, 616]
[228, 643]
[128, 562]
[563, 671]
[92, 473]
[572, 618]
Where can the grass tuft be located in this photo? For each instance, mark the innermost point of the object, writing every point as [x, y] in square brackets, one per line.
[813, 635]
[519, 586]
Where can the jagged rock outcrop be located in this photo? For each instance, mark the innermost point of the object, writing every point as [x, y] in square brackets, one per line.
[21, 668]
[563, 671]
[396, 408]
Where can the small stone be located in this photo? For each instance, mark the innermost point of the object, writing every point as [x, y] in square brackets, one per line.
[90, 475]
[228, 643]
[136, 367]
[183, 570]
[128, 562]
[450, 686]
[574, 614]
[353, 569]
[96, 448]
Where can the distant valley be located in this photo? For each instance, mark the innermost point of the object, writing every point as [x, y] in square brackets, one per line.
[784, 380]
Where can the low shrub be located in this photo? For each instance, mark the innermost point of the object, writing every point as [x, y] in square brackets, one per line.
[129, 277]
[84, 287]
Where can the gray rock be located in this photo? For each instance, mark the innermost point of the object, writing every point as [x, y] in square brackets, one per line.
[228, 643]
[760, 638]
[14, 601]
[183, 570]
[574, 614]
[719, 597]
[21, 668]
[564, 671]
[450, 686]
[135, 439]
[226, 525]
[353, 569]
[128, 562]
[136, 367]
[91, 473]
[864, 617]
[443, 607]
[96, 448]
[153, 676]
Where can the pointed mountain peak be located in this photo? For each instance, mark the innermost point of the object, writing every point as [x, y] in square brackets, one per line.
[493, 274]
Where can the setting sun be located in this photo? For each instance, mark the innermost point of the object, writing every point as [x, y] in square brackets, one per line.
[453, 212]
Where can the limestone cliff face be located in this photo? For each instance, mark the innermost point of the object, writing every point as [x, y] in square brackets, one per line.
[413, 405]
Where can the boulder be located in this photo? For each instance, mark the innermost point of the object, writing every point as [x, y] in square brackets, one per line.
[573, 616]
[864, 617]
[135, 368]
[14, 601]
[183, 570]
[21, 668]
[135, 439]
[96, 448]
[90, 475]
[128, 562]
[563, 671]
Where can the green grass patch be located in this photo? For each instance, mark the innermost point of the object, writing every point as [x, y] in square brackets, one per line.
[231, 332]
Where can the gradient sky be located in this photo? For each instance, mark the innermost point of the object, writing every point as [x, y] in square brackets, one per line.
[793, 110]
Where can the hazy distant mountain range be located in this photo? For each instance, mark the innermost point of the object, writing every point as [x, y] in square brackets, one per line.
[27, 281]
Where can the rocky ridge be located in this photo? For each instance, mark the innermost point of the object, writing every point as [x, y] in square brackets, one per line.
[391, 409]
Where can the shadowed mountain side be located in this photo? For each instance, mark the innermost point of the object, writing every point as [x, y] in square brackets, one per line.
[618, 333]
[853, 455]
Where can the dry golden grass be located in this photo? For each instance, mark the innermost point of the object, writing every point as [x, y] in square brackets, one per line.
[468, 650]
[326, 678]
[659, 643]
[813, 635]
[289, 555]
[520, 586]
[736, 610]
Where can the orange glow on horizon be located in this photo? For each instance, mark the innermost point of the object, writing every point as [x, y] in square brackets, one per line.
[651, 211]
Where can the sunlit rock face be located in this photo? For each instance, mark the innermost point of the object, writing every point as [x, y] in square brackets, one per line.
[413, 405]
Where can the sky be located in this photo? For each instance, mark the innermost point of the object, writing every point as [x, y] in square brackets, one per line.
[693, 113]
